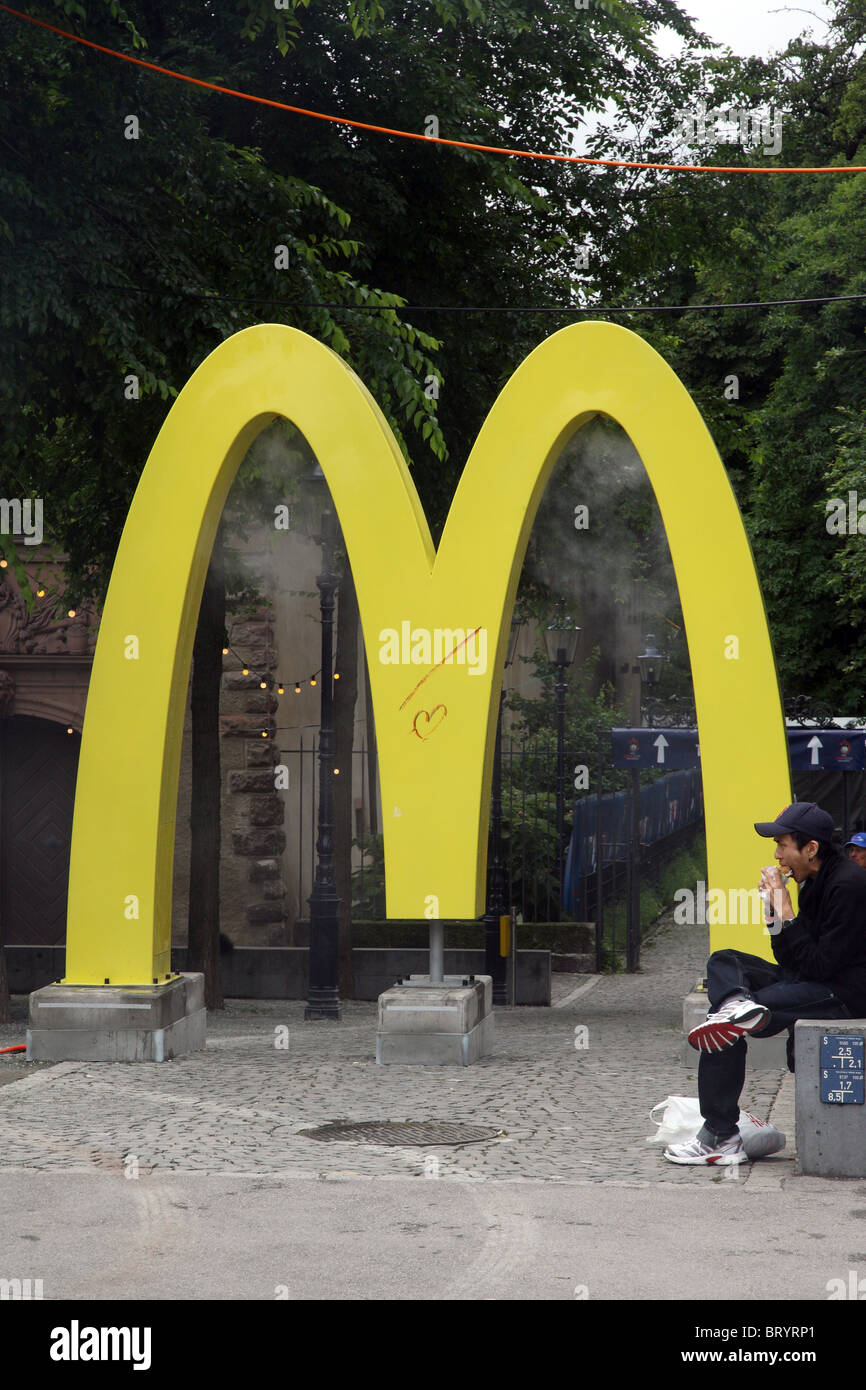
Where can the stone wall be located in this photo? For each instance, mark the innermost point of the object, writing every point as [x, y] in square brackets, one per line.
[252, 890]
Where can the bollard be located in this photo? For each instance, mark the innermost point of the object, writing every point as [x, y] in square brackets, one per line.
[437, 952]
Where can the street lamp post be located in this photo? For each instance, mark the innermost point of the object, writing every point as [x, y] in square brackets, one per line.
[324, 991]
[560, 640]
[495, 962]
[650, 663]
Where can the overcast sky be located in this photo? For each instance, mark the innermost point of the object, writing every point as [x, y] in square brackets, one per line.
[751, 26]
[748, 27]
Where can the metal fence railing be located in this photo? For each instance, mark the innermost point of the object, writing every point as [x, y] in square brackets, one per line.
[302, 811]
[543, 879]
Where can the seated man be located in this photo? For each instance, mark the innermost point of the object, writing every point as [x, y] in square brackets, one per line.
[821, 973]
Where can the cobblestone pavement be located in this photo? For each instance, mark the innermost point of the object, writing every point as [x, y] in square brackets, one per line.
[568, 1114]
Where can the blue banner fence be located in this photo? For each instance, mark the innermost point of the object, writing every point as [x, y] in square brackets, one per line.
[602, 832]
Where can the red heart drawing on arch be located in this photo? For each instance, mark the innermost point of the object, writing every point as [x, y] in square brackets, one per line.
[428, 722]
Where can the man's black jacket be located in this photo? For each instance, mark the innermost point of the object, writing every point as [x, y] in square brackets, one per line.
[827, 939]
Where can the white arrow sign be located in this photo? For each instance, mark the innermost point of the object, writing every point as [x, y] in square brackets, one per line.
[661, 744]
[814, 743]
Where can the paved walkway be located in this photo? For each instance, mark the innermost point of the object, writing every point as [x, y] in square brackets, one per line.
[229, 1200]
[568, 1114]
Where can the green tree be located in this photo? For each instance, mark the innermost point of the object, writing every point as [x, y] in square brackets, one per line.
[453, 227]
[124, 262]
[775, 385]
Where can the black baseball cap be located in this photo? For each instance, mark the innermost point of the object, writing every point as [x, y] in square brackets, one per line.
[802, 818]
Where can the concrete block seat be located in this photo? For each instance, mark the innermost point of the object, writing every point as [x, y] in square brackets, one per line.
[831, 1134]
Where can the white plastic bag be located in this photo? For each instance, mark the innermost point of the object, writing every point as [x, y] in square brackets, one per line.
[679, 1119]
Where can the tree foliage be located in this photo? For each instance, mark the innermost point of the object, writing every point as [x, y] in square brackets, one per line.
[781, 388]
[110, 240]
[126, 261]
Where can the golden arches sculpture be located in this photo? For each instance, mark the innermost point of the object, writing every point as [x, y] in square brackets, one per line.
[435, 622]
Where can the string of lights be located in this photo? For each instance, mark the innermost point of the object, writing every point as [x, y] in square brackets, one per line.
[266, 681]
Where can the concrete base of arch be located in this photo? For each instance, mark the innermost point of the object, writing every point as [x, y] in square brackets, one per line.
[117, 1023]
[432, 1024]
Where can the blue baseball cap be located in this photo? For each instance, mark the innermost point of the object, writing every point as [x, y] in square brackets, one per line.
[803, 817]
[859, 840]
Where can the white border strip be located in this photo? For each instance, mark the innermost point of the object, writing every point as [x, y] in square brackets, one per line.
[583, 988]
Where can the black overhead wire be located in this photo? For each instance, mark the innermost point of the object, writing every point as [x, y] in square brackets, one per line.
[487, 308]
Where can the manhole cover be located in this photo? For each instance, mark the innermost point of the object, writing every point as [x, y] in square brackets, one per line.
[412, 1134]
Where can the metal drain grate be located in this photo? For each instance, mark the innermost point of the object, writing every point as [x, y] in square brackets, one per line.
[410, 1134]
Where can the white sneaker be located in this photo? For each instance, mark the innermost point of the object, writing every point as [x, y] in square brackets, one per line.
[735, 1018]
[728, 1151]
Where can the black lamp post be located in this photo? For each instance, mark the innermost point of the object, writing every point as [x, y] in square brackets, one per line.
[650, 662]
[324, 991]
[560, 640]
[495, 962]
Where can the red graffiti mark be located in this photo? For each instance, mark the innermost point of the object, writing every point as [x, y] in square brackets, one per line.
[438, 664]
[431, 724]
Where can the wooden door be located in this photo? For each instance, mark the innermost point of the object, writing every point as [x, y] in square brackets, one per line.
[38, 766]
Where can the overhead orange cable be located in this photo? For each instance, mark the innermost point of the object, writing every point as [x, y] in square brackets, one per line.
[436, 139]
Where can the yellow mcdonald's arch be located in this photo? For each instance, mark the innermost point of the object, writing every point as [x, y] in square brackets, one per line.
[434, 622]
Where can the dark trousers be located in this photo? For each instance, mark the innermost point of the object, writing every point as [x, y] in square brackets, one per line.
[721, 1074]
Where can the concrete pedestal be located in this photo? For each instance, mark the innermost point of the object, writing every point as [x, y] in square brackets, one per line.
[766, 1053]
[831, 1137]
[448, 1024]
[117, 1023]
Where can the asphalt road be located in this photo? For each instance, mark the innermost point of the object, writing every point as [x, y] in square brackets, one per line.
[181, 1237]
